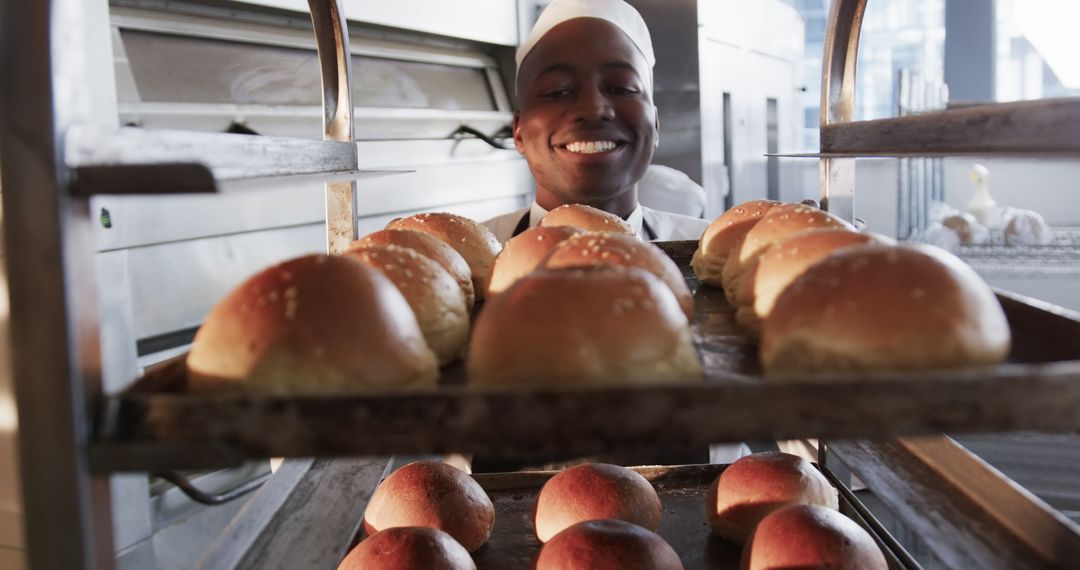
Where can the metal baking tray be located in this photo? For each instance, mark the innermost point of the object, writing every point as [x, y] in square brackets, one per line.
[682, 490]
[156, 424]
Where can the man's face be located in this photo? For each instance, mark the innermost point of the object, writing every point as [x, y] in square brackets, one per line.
[586, 122]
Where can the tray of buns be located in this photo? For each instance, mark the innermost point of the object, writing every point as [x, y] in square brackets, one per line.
[590, 375]
[660, 517]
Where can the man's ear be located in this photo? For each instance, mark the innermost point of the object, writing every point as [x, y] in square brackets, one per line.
[519, 143]
[656, 120]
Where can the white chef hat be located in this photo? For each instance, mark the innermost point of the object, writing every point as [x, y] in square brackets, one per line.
[618, 12]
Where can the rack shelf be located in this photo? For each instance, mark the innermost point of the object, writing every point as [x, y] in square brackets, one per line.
[138, 161]
[158, 425]
[1028, 128]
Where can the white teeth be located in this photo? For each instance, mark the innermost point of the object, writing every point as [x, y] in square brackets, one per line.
[590, 147]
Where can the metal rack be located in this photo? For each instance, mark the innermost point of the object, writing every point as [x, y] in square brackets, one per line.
[55, 160]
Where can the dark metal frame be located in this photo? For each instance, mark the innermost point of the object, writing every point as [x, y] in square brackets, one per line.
[50, 257]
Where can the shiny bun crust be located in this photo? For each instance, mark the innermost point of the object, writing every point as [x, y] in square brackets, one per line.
[597, 249]
[314, 324]
[759, 484]
[436, 495]
[598, 326]
[430, 247]
[806, 536]
[473, 241]
[722, 236]
[607, 545]
[433, 295]
[595, 491]
[587, 218]
[780, 222]
[408, 548]
[781, 263]
[879, 307]
[523, 253]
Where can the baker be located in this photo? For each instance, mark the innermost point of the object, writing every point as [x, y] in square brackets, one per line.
[587, 126]
[586, 123]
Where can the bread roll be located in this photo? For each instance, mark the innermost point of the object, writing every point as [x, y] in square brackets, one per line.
[607, 545]
[314, 324]
[435, 298]
[408, 548]
[523, 253]
[1026, 228]
[759, 484]
[722, 236]
[473, 241]
[780, 222]
[432, 248]
[595, 249]
[809, 536]
[604, 325]
[781, 263]
[595, 491]
[879, 307]
[436, 495]
[967, 228]
[587, 218]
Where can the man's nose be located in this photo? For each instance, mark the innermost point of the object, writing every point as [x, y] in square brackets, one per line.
[593, 105]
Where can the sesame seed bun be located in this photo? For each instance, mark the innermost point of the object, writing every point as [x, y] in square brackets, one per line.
[587, 218]
[598, 326]
[408, 548]
[314, 324]
[432, 248]
[780, 222]
[607, 545]
[472, 240]
[808, 536]
[523, 253]
[433, 295]
[881, 307]
[596, 249]
[722, 236]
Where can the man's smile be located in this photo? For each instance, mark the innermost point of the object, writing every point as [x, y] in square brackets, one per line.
[590, 147]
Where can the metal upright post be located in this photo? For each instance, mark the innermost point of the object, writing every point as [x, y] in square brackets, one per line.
[54, 322]
[838, 101]
[332, 35]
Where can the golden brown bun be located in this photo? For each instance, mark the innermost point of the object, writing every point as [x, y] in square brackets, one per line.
[780, 222]
[436, 495]
[314, 324]
[879, 307]
[757, 485]
[587, 218]
[430, 247]
[607, 545]
[408, 548]
[808, 536]
[435, 298]
[597, 326]
[473, 241]
[595, 491]
[595, 249]
[781, 263]
[523, 253]
[722, 236]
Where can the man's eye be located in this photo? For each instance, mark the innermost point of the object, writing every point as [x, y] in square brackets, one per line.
[555, 93]
[624, 90]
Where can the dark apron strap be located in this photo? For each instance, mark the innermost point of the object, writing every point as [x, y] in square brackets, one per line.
[649, 233]
[523, 224]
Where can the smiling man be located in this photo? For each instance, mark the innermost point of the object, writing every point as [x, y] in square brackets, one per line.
[586, 122]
